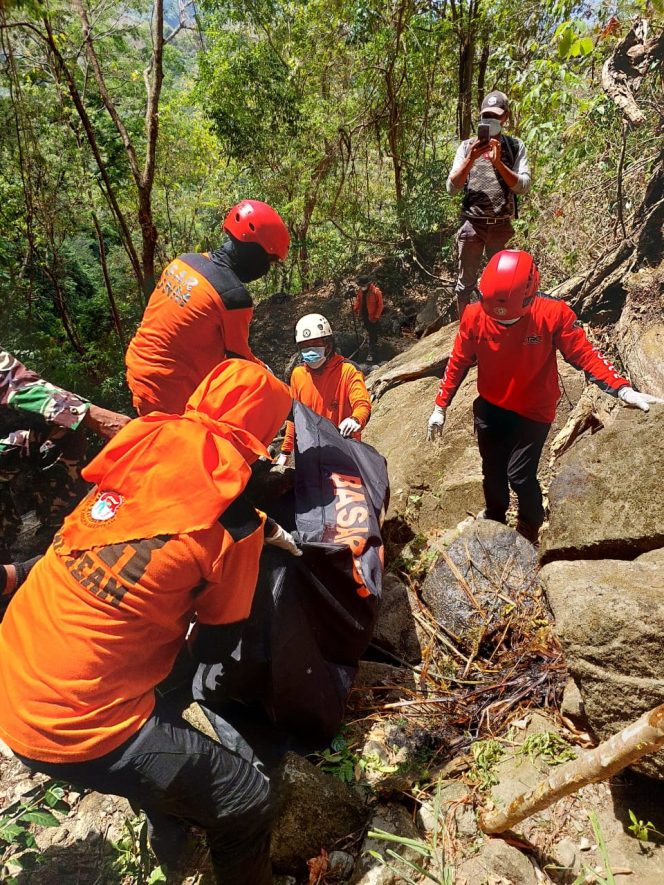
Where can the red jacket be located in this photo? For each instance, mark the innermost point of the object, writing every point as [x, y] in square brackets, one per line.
[516, 365]
[374, 299]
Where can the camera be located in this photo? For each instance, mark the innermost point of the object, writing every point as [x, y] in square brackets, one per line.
[483, 131]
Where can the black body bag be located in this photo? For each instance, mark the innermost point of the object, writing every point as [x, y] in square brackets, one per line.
[285, 683]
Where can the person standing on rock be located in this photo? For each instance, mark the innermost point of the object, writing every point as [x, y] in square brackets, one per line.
[368, 306]
[326, 383]
[513, 334]
[200, 311]
[490, 169]
[166, 534]
[41, 433]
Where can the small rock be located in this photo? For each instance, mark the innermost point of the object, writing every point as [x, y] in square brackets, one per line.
[368, 871]
[564, 854]
[341, 864]
[317, 810]
[584, 844]
[498, 859]
[572, 703]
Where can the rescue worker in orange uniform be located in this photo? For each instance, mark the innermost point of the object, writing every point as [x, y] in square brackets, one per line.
[326, 383]
[165, 534]
[200, 311]
[368, 307]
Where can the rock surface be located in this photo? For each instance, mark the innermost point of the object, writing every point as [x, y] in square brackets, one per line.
[395, 630]
[317, 810]
[610, 621]
[606, 500]
[368, 870]
[497, 862]
[640, 331]
[432, 484]
[491, 565]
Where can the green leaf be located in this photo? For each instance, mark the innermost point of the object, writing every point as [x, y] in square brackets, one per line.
[566, 42]
[586, 44]
[42, 818]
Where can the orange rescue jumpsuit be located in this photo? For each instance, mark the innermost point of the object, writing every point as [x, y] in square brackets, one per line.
[198, 314]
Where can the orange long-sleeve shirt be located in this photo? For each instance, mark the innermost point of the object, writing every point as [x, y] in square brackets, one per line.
[336, 391]
[374, 302]
[198, 314]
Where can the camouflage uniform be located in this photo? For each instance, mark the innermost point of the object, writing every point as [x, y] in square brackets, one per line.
[41, 436]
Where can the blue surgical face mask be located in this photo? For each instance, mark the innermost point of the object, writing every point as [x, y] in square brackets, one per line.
[494, 125]
[314, 357]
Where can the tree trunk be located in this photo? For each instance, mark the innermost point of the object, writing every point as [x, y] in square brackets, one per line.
[94, 147]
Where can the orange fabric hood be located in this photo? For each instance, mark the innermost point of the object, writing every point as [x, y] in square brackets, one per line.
[170, 474]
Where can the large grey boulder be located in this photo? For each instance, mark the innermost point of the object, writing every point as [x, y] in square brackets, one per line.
[432, 484]
[639, 333]
[317, 810]
[610, 619]
[487, 569]
[606, 500]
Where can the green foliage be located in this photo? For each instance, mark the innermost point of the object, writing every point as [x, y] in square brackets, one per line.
[432, 867]
[134, 860]
[37, 808]
[339, 760]
[486, 755]
[548, 746]
[640, 829]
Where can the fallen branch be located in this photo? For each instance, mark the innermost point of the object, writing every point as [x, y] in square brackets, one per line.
[642, 737]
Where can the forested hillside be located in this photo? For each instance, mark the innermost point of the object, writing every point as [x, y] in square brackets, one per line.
[129, 129]
[480, 673]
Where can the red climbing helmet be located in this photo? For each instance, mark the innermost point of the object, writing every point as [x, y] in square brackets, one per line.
[254, 222]
[508, 285]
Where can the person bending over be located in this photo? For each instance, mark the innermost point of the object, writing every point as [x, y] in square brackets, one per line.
[166, 535]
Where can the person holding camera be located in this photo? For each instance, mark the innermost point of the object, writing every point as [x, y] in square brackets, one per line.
[490, 169]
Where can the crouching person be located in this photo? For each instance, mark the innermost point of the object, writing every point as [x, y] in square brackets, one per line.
[165, 535]
[326, 383]
[513, 334]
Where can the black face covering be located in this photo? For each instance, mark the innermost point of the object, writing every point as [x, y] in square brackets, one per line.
[249, 260]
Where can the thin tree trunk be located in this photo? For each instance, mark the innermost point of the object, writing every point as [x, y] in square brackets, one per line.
[641, 738]
[117, 323]
[94, 147]
[143, 179]
[481, 70]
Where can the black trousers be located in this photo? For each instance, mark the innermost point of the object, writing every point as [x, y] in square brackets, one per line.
[178, 776]
[511, 447]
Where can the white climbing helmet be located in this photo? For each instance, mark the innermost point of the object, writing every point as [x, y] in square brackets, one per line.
[311, 326]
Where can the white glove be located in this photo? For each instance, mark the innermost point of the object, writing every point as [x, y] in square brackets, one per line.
[436, 423]
[282, 538]
[282, 460]
[349, 426]
[637, 400]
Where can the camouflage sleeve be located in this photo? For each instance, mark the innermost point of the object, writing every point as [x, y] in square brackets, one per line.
[23, 390]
